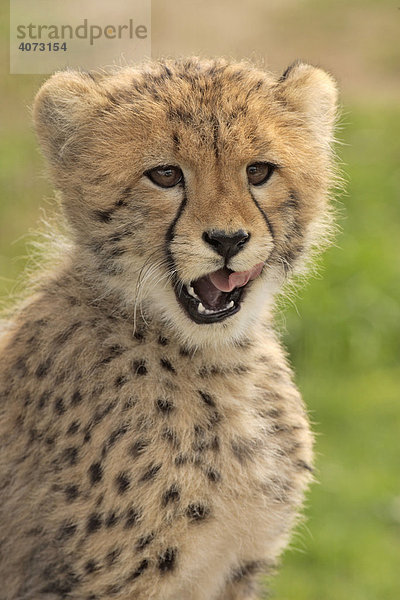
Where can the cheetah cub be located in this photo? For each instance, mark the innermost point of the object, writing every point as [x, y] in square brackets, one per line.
[153, 444]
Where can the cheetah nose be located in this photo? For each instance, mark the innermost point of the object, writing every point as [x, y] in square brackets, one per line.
[226, 244]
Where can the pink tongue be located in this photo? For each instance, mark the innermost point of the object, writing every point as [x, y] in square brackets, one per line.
[226, 283]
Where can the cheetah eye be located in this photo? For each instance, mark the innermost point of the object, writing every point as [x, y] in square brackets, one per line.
[259, 172]
[165, 176]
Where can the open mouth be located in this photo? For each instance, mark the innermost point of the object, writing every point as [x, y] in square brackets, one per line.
[216, 296]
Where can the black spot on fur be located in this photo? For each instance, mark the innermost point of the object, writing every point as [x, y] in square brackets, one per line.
[144, 541]
[181, 460]
[43, 400]
[301, 464]
[162, 341]
[139, 367]
[112, 519]
[129, 403]
[244, 344]
[67, 530]
[274, 413]
[199, 443]
[184, 351]
[139, 335]
[34, 435]
[132, 517]
[76, 398]
[114, 589]
[70, 455]
[43, 369]
[99, 500]
[167, 560]
[164, 406]
[103, 215]
[71, 492]
[207, 399]
[141, 569]
[171, 495]
[95, 473]
[168, 72]
[59, 406]
[125, 195]
[87, 437]
[176, 140]
[112, 556]
[91, 566]
[150, 473]
[197, 512]
[115, 435]
[122, 482]
[288, 70]
[120, 381]
[209, 371]
[216, 140]
[114, 239]
[213, 475]
[239, 369]
[94, 523]
[171, 437]
[214, 417]
[251, 568]
[167, 365]
[73, 428]
[73, 301]
[175, 114]
[112, 353]
[137, 448]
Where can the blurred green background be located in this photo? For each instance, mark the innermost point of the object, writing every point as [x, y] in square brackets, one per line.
[343, 332]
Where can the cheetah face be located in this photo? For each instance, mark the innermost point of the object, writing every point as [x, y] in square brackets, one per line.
[217, 295]
[193, 188]
[213, 256]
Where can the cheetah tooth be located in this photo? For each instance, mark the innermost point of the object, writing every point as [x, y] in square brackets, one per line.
[201, 308]
[192, 292]
[231, 304]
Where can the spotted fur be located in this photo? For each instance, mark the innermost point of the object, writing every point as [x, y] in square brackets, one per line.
[143, 455]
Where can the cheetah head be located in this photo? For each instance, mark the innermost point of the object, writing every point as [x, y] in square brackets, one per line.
[193, 188]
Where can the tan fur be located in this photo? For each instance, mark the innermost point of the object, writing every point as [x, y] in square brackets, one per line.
[144, 456]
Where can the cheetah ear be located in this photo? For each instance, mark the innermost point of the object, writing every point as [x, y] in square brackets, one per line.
[312, 92]
[60, 114]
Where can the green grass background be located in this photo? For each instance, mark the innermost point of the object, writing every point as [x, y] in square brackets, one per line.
[344, 340]
[343, 331]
